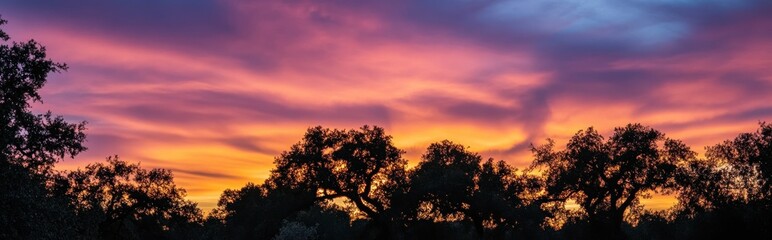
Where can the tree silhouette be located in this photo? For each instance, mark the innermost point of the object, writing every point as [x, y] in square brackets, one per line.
[507, 200]
[239, 211]
[29, 146]
[257, 211]
[729, 192]
[607, 178]
[28, 210]
[35, 141]
[443, 183]
[450, 184]
[360, 166]
[703, 186]
[748, 158]
[119, 200]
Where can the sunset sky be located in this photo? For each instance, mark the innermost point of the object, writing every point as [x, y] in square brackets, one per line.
[215, 89]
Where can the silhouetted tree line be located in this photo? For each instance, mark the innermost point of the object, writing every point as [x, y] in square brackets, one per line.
[355, 184]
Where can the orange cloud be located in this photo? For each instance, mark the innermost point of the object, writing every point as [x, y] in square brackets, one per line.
[217, 104]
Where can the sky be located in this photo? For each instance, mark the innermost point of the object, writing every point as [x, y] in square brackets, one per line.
[215, 89]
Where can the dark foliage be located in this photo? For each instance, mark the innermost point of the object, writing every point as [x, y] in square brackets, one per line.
[361, 167]
[451, 184]
[35, 141]
[119, 200]
[28, 210]
[29, 146]
[255, 211]
[607, 178]
[748, 161]
[114, 201]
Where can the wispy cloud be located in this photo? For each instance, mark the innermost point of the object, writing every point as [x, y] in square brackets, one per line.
[216, 89]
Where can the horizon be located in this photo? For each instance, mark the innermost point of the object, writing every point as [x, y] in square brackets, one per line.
[214, 90]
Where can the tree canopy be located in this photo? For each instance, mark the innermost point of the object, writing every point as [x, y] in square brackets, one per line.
[119, 200]
[30, 144]
[607, 178]
[452, 184]
[35, 141]
[748, 161]
[37, 202]
[360, 166]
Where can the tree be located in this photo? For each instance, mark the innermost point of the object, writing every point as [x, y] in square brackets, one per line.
[443, 183]
[257, 211]
[702, 187]
[361, 166]
[29, 210]
[730, 191]
[29, 146]
[238, 212]
[35, 141]
[118, 200]
[607, 178]
[747, 162]
[507, 201]
[332, 222]
[450, 184]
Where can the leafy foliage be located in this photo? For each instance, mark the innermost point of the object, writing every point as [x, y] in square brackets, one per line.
[447, 171]
[119, 200]
[29, 146]
[256, 211]
[451, 184]
[748, 165]
[361, 166]
[35, 141]
[608, 178]
[28, 210]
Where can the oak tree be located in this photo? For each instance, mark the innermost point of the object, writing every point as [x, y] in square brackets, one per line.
[607, 178]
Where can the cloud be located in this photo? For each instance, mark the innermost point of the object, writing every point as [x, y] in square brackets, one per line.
[216, 89]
